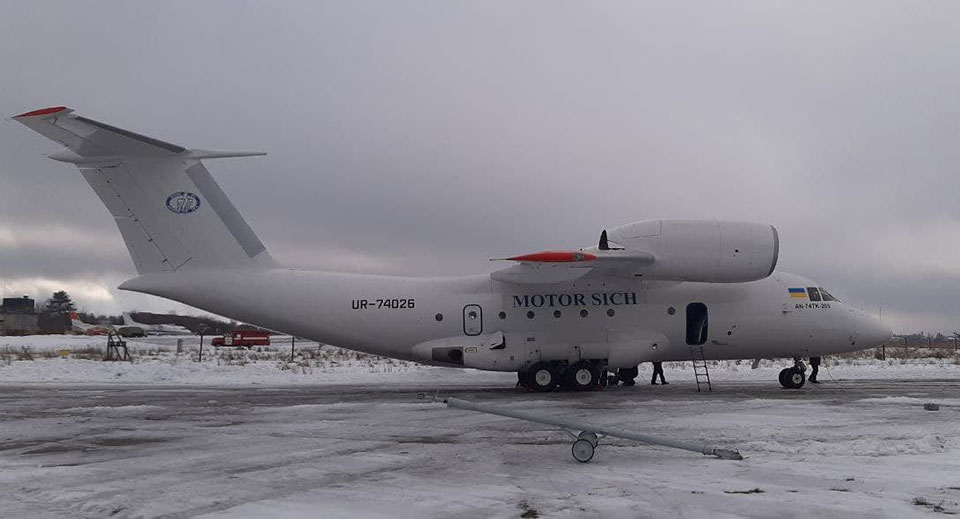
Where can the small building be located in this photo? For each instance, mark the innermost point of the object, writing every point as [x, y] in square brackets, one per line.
[18, 316]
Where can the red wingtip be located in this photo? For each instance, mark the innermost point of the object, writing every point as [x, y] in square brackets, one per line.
[44, 111]
[555, 257]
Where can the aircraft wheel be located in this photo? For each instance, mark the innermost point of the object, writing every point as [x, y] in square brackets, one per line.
[796, 378]
[582, 376]
[590, 437]
[792, 378]
[542, 377]
[582, 450]
[783, 377]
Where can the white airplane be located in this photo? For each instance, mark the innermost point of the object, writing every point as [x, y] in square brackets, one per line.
[155, 329]
[656, 290]
[78, 326]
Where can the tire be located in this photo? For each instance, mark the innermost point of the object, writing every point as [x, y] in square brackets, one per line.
[783, 377]
[582, 376]
[542, 377]
[795, 378]
[582, 450]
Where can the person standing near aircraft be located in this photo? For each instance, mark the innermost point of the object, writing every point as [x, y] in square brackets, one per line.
[658, 370]
[815, 367]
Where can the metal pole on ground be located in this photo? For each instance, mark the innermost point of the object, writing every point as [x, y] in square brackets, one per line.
[201, 347]
[179, 346]
[728, 454]
[293, 341]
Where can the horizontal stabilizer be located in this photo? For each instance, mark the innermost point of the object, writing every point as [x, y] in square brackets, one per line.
[210, 154]
[72, 158]
[89, 138]
[94, 142]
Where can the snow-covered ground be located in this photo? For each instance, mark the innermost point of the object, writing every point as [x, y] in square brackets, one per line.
[155, 362]
[335, 434]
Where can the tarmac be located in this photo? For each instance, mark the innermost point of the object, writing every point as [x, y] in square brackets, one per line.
[392, 450]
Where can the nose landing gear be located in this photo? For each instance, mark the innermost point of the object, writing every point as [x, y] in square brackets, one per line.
[795, 377]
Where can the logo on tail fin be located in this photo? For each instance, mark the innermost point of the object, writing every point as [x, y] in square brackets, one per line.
[182, 202]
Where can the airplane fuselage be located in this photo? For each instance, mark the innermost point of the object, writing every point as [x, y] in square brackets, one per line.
[406, 318]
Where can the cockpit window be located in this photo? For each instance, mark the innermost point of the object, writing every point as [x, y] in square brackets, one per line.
[813, 293]
[826, 295]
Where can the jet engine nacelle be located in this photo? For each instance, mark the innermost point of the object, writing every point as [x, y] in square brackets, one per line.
[701, 250]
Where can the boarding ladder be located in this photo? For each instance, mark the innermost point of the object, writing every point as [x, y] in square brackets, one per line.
[700, 371]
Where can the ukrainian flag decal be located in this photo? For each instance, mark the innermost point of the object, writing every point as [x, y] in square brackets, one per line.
[800, 293]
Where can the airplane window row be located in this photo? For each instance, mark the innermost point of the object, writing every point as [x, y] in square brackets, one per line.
[556, 313]
[815, 295]
[531, 314]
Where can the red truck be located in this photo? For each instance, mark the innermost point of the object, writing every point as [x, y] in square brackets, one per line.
[243, 338]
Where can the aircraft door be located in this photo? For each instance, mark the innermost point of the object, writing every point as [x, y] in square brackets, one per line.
[697, 324]
[472, 320]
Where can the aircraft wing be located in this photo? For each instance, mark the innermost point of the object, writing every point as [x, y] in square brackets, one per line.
[551, 267]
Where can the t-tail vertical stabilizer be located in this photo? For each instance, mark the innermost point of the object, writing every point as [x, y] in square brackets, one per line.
[169, 209]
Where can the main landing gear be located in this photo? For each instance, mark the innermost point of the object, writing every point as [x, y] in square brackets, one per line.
[547, 376]
[795, 377]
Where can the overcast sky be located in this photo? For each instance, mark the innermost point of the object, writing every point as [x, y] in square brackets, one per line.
[426, 137]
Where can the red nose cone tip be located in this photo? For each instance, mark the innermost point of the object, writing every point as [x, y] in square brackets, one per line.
[44, 111]
[555, 257]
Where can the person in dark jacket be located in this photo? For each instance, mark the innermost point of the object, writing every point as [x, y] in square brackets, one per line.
[815, 367]
[658, 370]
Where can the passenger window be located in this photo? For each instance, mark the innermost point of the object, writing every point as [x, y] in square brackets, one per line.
[826, 295]
[813, 293]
